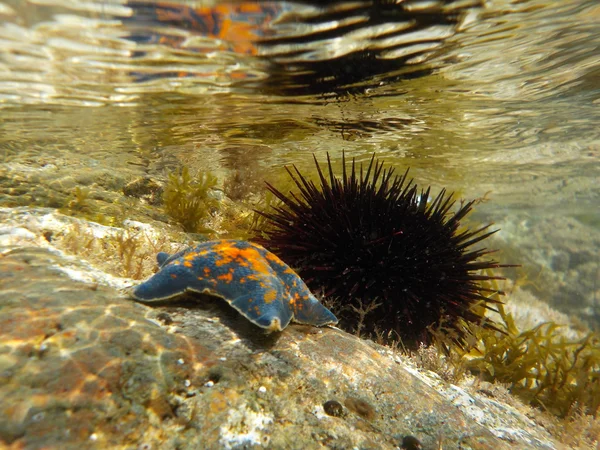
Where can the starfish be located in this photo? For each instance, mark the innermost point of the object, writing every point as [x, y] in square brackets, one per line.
[251, 279]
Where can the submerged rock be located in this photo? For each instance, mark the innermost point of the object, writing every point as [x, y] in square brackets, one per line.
[83, 365]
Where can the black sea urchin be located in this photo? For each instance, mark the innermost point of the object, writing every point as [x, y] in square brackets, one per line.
[372, 241]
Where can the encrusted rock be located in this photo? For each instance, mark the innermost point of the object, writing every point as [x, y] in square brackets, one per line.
[82, 365]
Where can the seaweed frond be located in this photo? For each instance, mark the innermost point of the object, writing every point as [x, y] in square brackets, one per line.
[125, 253]
[540, 365]
[80, 198]
[187, 199]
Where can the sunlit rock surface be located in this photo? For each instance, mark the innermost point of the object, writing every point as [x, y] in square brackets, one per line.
[83, 366]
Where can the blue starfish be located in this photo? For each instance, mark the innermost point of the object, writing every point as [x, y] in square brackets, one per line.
[251, 279]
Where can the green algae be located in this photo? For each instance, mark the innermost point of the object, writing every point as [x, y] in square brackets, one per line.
[126, 253]
[187, 199]
[80, 199]
[540, 365]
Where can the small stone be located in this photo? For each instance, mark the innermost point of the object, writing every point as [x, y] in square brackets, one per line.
[333, 408]
[411, 443]
[165, 318]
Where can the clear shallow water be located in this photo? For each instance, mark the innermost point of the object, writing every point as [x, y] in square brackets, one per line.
[98, 93]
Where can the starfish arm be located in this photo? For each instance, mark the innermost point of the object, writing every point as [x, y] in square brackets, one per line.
[302, 303]
[169, 282]
[161, 258]
[264, 308]
[308, 310]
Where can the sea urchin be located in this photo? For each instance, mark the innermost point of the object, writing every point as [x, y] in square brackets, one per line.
[373, 242]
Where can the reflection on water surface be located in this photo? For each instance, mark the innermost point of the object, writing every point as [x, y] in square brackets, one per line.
[498, 101]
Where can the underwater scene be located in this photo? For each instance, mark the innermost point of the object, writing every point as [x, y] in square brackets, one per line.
[364, 224]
